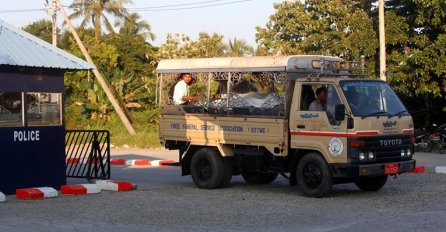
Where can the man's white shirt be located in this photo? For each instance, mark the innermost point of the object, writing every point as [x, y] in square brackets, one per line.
[181, 90]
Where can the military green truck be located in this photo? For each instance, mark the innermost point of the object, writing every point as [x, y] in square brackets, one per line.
[253, 119]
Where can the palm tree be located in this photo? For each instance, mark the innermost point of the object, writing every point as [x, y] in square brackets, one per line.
[239, 47]
[134, 25]
[96, 11]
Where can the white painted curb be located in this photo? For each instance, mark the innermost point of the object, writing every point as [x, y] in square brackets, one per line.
[107, 185]
[116, 186]
[92, 188]
[48, 192]
[440, 169]
[2, 197]
[159, 163]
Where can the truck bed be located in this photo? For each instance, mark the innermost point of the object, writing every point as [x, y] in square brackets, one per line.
[210, 130]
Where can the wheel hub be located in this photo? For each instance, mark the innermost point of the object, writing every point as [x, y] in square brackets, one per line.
[312, 175]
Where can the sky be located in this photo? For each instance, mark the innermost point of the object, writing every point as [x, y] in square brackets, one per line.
[231, 20]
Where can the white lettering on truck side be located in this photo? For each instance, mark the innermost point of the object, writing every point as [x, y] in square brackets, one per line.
[26, 136]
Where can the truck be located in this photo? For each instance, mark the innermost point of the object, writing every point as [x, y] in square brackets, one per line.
[253, 119]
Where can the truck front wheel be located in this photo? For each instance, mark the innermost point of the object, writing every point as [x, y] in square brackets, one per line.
[314, 176]
[210, 170]
[257, 177]
[371, 184]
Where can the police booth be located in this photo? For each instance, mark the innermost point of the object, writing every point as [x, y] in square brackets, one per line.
[32, 132]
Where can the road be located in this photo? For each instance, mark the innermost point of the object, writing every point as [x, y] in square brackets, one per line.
[165, 201]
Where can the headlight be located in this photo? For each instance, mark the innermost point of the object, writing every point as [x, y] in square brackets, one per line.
[409, 153]
[362, 156]
[371, 155]
[403, 152]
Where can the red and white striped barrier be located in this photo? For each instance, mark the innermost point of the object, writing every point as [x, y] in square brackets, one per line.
[419, 169]
[93, 161]
[35, 193]
[117, 161]
[2, 197]
[73, 160]
[80, 189]
[117, 186]
[138, 162]
[133, 162]
[159, 163]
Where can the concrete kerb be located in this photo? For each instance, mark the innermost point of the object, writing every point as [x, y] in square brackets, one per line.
[36, 193]
[80, 189]
[117, 186]
[2, 197]
[440, 169]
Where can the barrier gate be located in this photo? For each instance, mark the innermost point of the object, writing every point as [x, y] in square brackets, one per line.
[87, 154]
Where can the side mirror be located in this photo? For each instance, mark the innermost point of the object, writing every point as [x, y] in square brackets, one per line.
[340, 112]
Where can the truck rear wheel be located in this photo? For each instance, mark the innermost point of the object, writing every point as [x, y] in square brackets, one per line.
[257, 177]
[314, 176]
[210, 170]
[371, 184]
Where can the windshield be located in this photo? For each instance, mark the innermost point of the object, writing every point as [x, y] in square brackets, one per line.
[372, 98]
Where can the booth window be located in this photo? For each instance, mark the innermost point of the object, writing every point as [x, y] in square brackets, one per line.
[11, 109]
[44, 109]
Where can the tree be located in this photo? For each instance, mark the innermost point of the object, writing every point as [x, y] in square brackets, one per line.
[182, 46]
[41, 28]
[239, 47]
[96, 12]
[332, 27]
[134, 25]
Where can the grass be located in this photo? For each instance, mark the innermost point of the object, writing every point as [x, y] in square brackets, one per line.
[145, 125]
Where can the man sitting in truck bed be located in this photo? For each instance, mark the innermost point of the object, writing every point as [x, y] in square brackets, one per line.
[321, 99]
[181, 91]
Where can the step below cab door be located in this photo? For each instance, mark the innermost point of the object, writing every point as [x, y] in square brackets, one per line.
[315, 128]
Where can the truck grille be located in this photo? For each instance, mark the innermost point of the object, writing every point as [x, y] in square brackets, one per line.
[390, 153]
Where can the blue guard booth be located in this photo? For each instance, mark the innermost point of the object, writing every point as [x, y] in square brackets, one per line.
[32, 132]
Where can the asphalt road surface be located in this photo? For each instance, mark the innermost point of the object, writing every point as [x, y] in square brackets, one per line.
[165, 201]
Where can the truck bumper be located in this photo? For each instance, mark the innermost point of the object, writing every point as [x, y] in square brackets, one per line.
[347, 171]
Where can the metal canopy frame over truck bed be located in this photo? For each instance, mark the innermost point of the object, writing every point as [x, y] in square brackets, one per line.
[254, 86]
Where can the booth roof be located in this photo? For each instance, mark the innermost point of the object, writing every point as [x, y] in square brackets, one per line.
[18, 48]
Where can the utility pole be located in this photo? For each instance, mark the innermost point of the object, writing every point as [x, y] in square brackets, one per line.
[382, 43]
[52, 11]
[98, 75]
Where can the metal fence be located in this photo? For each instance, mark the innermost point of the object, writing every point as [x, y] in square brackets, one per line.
[87, 154]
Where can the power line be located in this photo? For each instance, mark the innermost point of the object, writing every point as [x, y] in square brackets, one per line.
[20, 10]
[174, 5]
[195, 7]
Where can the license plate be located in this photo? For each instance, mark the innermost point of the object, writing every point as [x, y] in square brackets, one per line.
[390, 169]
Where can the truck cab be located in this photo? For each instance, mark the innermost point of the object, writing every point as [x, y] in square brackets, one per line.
[254, 119]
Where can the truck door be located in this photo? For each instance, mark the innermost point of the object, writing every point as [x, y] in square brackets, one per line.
[317, 129]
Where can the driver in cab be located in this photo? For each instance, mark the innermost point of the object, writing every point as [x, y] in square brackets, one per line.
[321, 100]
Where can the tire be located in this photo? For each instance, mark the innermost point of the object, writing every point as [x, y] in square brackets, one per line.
[371, 184]
[210, 170]
[257, 177]
[314, 177]
[428, 148]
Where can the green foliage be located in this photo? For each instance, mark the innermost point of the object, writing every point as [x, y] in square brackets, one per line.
[96, 11]
[333, 27]
[105, 55]
[239, 47]
[134, 25]
[177, 46]
[41, 29]
[416, 33]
